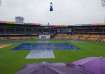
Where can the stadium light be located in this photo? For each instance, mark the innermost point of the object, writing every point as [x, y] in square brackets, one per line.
[51, 6]
[50, 12]
[19, 20]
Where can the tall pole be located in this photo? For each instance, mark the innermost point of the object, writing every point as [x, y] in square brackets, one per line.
[50, 13]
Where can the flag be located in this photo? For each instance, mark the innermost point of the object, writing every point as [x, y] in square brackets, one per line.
[51, 6]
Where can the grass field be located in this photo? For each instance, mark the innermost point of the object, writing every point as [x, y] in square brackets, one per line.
[11, 61]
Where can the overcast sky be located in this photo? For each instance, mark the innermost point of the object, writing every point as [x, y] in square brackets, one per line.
[65, 11]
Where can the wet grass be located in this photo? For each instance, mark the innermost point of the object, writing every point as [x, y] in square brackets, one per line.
[11, 61]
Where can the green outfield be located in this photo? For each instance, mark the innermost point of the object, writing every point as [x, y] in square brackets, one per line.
[11, 61]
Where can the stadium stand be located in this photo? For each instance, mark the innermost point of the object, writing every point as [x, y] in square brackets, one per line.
[62, 36]
[28, 31]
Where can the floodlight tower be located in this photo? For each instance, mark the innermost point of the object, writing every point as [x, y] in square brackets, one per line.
[51, 10]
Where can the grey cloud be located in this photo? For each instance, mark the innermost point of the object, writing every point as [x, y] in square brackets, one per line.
[66, 12]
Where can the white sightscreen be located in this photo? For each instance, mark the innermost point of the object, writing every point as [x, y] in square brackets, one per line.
[65, 11]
